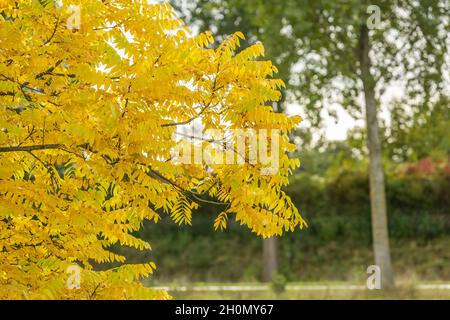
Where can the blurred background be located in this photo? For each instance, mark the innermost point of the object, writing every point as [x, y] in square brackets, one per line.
[315, 45]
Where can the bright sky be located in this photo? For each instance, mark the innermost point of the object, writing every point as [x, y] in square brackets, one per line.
[337, 129]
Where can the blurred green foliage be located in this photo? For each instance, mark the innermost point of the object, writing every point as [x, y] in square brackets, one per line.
[315, 46]
[412, 133]
[278, 284]
[338, 239]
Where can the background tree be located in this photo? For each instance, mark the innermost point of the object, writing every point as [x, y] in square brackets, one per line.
[329, 53]
[418, 134]
[88, 114]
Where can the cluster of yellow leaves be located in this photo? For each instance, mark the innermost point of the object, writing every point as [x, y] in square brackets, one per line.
[87, 118]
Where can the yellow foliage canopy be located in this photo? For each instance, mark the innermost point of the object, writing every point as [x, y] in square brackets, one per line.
[87, 117]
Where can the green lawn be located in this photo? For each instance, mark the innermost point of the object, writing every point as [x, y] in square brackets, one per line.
[303, 291]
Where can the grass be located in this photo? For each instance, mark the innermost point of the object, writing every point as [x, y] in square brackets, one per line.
[332, 266]
[335, 291]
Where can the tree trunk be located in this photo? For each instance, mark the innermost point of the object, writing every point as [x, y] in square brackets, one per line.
[380, 233]
[270, 255]
[270, 259]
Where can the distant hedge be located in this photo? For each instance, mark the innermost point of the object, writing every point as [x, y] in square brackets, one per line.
[347, 192]
[337, 209]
